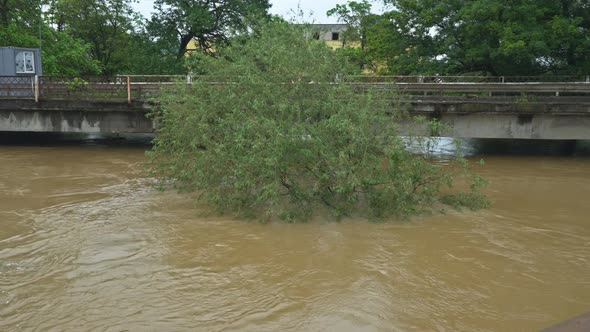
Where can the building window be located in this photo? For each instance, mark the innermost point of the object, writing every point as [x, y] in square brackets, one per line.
[25, 62]
[335, 36]
[316, 36]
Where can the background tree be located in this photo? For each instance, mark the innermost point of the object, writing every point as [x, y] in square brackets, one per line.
[354, 15]
[149, 55]
[401, 41]
[358, 18]
[279, 138]
[23, 24]
[20, 12]
[104, 24]
[20, 22]
[209, 22]
[64, 55]
[485, 36]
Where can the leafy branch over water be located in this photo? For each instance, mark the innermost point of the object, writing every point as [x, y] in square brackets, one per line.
[272, 129]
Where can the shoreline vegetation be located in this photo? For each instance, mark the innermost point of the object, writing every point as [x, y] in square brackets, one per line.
[279, 139]
[445, 38]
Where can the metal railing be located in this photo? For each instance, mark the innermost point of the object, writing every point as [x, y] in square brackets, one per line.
[83, 88]
[142, 87]
[467, 79]
[17, 87]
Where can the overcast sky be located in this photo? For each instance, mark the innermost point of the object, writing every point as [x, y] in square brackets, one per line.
[318, 8]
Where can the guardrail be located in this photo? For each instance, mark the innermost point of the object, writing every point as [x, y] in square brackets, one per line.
[17, 87]
[142, 87]
[83, 88]
[469, 79]
[487, 89]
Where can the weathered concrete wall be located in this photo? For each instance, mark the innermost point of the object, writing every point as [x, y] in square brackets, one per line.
[524, 126]
[540, 120]
[74, 117]
[75, 122]
[546, 120]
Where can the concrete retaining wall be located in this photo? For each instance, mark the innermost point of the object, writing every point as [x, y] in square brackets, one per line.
[468, 119]
[74, 117]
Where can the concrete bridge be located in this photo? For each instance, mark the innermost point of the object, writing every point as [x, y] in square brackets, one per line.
[476, 107]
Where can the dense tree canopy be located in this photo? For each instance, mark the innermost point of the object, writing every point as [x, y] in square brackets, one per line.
[108, 37]
[358, 18]
[354, 15]
[279, 134]
[490, 37]
[105, 24]
[497, 37]
[20, 12]
[22, 24]
[207, 22]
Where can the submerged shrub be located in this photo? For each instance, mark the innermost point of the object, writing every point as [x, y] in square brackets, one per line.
[272, 128]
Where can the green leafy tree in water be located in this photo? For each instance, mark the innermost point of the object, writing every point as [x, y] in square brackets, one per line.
[272, 129]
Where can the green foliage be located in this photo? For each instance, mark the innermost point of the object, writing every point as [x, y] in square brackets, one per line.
[153, 56]
[15, 35]
[105, 25]
[398, 50]
[209, 23]
[20, 12]
[108, 37]
[494, 37]
[358, 18]
[267, 131]
[76, 85]
[473, 200]
[354, 15]
[62, 54]
[357, 56]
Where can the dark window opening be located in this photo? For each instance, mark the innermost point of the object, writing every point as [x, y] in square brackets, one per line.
[335, 36]
[316, 35]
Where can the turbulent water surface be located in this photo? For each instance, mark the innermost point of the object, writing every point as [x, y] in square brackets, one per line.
[86, 244]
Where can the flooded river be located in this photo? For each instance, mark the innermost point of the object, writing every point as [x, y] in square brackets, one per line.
[86, 244]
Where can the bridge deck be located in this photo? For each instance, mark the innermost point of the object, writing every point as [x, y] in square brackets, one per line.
[491, 107]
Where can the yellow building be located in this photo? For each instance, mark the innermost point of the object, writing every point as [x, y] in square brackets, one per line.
[332, 34]
[192, 46]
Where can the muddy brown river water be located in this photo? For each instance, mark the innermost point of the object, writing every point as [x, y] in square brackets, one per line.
[86, 244]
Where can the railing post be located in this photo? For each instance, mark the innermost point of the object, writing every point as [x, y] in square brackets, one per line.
[37, 93]
[32, 85]
[129, 90]
[587, 78]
